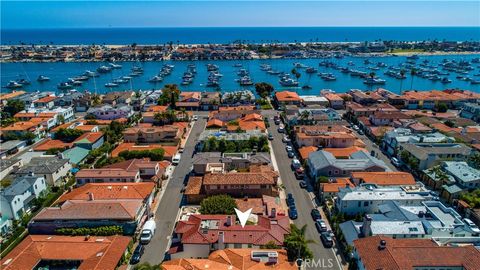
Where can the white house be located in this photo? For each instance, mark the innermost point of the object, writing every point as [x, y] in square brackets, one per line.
[52, 168]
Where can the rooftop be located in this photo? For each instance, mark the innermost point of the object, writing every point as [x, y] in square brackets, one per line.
[423, 150]
[462, 171]
[110, 191]
[384, 178]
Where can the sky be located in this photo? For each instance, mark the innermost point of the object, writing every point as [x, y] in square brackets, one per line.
[74, 14]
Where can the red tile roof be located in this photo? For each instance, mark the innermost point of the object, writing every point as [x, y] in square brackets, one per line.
[110, 191]
[91, 137]
[95, 253]
[50, 144]
[105, 173]
[306, 150]
[45, 99]
[407, 254]
[286, 96]
[344, 152]
[384, 178]
[265, 175]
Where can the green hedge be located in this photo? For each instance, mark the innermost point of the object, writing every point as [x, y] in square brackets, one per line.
[98, 231]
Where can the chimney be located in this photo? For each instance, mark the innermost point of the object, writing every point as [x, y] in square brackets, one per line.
[90, 196]
[30, 174]
[221, 241]
[366, 226]
[382, 245]
[229, 220]
[273, 212]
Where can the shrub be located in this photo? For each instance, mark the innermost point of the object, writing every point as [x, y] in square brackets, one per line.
[218, 205]
[154, 155]
[97, 231]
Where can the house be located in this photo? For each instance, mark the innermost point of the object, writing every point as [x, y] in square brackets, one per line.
[431, 99]
[68, 99]
[358, 110]
[427, 155]
[344, 153]
[9, 165]
[4, 97]
[393, 139]
[11, 147]
[287, 98]
[107, 112]
[169, 151]
[52, 168]
[238, 98]
[430, 219]
[189, 100]
[471, 111]
[153, 134]
[89, 214]
[226, 114]
[336, 102]
[381, 252]
[118, 97]
[333, 136]
[306, 150]
[236, 259]
[134, 170]
[386, 118]
[22, 128]
[323, 163]
[266, 205]
[311, 115]
[365, 98]
[67, 252]
[463, 179]
[198, 235]
[45, 102]
[209, 101]
[330, 189]
[315, 100]
[383, 178]
[258, 181]
[90, 140]
[112, 191]
[149, 114]
[232, 161]
[16, 199]
[367, 200]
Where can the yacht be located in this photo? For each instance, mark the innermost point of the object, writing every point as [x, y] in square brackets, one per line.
[212, 67]
[120, 81]
[128, 78]
[329, 77]
[155, 79]
[137, 69]
[111, 85]
[242, 72]
[299, 65]
[372, 81]
[246, 80]
[288, 82]
[89, 73]
[80, 78]
[237, 65]
[412, 57]
[115, 66]
[311, 70]
[42, 78]
[474, 82]
[306, 87]
[13, 85]
[213, 83]
[23, 81]
[64, 86]
[274, 72]
[445, 80]
[187, 81]
[104, 69]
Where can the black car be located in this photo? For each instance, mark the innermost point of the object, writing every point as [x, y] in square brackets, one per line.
[315, 214]
[327, 239]
[290, 199]
[137, 254]
[299, 174]
[321, 225]
[270, 137]
[303, 184]
[290, 154]
[292, 212]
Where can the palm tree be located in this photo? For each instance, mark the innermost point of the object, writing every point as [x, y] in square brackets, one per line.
[413, 72]
[304, 115]
[96, 100]
[297, 244]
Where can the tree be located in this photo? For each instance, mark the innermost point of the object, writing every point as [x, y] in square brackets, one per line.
[264, 89]
[218, 205]
[147, 266]
[402, 73]
[472, 198]
[413, 72]
[68, 134]
[154, 154]
[170, 95]
[270, 245]
[14, 106]
[441, 107]
[296, 243]
[475, 160]
[449, 123]
[60, 119]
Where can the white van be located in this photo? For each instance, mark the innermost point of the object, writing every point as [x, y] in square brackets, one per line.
[148, 231]
[176, 159]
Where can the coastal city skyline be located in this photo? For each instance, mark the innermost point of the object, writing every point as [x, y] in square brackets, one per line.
[118, 14]
[240, 135]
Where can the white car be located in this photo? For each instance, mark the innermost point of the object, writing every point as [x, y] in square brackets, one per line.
[285, 139]
[396, 162]
[195, 117]
[289, 148]
[176, 159]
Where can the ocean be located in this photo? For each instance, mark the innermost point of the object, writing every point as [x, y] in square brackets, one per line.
[59, 72]
[196, 35]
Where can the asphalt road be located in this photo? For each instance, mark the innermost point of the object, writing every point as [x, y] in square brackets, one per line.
[324, 258]
[167, 211]
[369, 145]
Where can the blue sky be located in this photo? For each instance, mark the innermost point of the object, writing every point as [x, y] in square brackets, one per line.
[72, 14]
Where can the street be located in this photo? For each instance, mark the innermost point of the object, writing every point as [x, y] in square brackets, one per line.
[304, 202]
[167, 211]
[369, 145]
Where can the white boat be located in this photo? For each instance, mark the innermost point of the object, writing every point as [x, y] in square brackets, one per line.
[246, 80]
[42, 78]
[155, 79]
[115, 66]
[104, 69]
[111, 85]
[288, 82]
[13, 85]
[89, 73]
[372, 81]
[64, 86]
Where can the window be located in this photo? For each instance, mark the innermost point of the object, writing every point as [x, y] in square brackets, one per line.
[365, 204]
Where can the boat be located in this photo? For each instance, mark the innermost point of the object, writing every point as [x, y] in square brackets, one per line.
[120, 81]
[23, 81]
[137, 69]
[213, 83]
[128, 78]
[413, 57]
[357, 73]
[13, 85]
[237, 65]
[445, 80]
[330, 77]
[42, 78]
[111, 85]
[274, 72]
[311, 70]
[246, 80]
[212, 67]
[115, 66]
[242, 72]
[372, 81]
[104, 69]
[80, 78]
[64, 86]
[350, 63]
[289, 82]
[89, 73]
[474, 82]
[306, 87]
[299, 65]
[155, 79]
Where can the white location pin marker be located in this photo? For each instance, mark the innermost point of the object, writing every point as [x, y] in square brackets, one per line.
[243, 216]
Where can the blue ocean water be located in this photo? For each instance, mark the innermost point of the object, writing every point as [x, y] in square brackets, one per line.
[59, 72]
[196, 35]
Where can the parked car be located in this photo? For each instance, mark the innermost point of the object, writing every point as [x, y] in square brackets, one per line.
[372, 153]
[290, 199]
[137, 254]
[176, 159]
[355, 127]
[290, 154]
[276, 121]
[289, 148]
[195, 117]
[360, 132]
[292, 212]
[315, 214]
[148, 231]
[270, 137]
[296, 164]
[281, 128]
[285, 139]
[396, 162]
[320, 225]
[303, 184]
[327, 239]
[299, 173]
